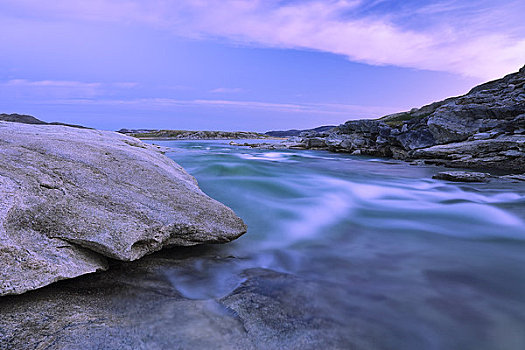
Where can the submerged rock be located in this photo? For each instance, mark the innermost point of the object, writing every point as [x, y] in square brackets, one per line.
[70, 197]
[462, 176]
[138, 306]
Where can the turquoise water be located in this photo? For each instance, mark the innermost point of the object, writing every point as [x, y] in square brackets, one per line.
[426, 264]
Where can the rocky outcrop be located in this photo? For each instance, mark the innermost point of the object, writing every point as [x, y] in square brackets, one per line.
[70, 198]
[504, 152]
[192, 135]
[483, 129]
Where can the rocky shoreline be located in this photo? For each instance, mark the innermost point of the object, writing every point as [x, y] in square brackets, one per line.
[484, 129]
[146, 134]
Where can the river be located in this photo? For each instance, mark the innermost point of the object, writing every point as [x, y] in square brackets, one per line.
[421, 263]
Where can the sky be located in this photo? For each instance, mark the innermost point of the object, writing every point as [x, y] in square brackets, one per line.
[253, 65]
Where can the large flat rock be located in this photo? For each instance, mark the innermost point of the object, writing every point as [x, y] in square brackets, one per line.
[505, 152]
[70, 197]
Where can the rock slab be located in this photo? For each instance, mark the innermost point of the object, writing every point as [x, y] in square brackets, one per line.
[70, 198]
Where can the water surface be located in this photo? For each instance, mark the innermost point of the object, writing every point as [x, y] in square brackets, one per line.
[423, 263]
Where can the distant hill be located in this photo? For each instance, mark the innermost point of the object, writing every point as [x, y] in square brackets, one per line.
[29, 119]
[295, 132]
[20, 118]
[192, 135]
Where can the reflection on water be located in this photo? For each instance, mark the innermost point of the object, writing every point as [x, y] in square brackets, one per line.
[425, 263]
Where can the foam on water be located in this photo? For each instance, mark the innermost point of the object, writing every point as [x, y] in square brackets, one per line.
[268, 156]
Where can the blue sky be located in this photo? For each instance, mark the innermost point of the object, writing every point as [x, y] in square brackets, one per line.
[247, 65]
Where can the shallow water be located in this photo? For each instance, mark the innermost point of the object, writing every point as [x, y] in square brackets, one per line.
[424, 264]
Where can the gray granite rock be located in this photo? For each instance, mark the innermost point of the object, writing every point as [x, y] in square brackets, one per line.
[416, 138]
[131, 306]
[462, 176]
[70, 197]
[502, 152]
[315, 142]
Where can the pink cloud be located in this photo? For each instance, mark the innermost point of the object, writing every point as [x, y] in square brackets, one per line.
[466, 48]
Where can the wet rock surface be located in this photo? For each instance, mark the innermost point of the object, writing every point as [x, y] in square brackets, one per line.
[136, 306]
[70, 198]
[131, 306]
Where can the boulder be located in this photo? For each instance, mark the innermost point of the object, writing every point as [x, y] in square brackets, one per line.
[315, 142]
[416, 138]
[70, 198]
[462, 176]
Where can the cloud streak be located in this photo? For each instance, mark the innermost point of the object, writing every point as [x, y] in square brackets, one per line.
[225, 90]
[170, 104]
[483, 40]
[51, 84]
[60, 88]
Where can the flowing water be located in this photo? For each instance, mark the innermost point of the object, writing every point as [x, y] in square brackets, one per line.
[423, 263]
